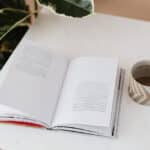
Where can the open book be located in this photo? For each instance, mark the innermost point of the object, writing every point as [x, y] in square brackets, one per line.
[47, 89]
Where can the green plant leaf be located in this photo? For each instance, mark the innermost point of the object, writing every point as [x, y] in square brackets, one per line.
[17, 4]
[75, 8]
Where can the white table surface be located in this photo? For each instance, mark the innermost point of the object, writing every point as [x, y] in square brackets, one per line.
[99, 35]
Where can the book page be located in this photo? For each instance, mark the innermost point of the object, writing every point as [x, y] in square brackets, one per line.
[88, 93]
[31, 81]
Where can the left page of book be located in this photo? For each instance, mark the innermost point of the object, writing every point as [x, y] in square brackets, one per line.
[31, 81]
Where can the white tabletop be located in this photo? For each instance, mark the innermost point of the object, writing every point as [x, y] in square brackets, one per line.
[98, 35]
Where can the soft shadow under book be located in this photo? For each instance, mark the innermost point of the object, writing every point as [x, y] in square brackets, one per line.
[80, 94]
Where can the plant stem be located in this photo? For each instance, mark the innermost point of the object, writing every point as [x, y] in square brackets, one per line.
[13, 9]
[13, 26]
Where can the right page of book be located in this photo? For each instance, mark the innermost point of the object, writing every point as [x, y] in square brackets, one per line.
[88, 92]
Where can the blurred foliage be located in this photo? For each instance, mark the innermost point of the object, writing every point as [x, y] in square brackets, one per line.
[75, 8]
[14, 22]
[17, 15]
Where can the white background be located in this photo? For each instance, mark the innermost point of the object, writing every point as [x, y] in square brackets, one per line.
[99, 35]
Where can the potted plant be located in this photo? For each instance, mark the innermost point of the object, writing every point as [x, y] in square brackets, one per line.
[16, 16]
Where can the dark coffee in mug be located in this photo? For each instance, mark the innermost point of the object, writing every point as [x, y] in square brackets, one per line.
[141, 73]
[144, 80]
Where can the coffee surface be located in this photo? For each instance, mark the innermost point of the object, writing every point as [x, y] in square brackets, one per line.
[144, 80]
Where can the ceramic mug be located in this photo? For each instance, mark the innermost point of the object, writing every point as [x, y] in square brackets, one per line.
[139, 82]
